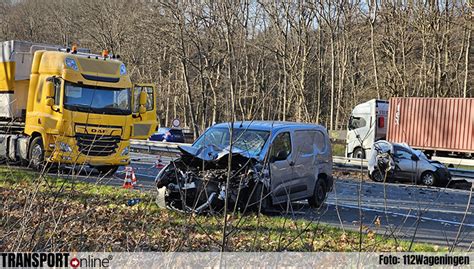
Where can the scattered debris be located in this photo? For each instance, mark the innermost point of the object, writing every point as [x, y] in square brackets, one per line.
[133, 202]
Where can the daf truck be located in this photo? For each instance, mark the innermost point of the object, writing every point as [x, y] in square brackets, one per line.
[68, 106]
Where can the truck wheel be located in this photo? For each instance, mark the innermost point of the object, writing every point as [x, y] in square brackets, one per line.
[36, 154]
[107, 169]
[319, 194]
[428, 178]
[359, 153]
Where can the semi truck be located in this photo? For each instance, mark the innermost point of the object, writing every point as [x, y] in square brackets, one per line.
[437, 126]
[62, 105]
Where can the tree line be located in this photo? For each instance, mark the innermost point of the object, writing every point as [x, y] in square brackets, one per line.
[309, 61]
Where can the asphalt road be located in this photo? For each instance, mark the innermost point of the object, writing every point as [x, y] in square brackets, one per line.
[433, 215]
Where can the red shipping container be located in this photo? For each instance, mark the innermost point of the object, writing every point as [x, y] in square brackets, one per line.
[442, 124]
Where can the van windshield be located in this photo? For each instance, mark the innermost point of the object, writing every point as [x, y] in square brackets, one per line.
[249, 141]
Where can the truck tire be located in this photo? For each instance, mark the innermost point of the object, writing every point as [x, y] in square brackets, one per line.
[107, 169]
[358, 153]
[428, 178]
[319, 194]
[36, 154]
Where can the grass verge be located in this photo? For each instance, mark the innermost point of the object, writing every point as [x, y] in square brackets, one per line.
[338, 149]
[51, 214]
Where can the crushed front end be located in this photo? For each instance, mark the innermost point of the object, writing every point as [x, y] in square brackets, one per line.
[201, 180]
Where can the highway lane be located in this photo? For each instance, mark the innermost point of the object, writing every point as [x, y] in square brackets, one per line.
[433, 215]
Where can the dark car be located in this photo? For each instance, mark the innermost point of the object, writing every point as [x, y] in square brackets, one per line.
[168, 135]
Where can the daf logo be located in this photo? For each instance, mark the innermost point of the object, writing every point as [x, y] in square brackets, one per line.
[98, 131]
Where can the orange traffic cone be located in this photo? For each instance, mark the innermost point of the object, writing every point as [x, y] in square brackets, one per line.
[130, 180]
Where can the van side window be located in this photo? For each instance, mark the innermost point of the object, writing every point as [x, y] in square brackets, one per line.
[356, 122]
[303, 140]
[281, 143]
[320, 141]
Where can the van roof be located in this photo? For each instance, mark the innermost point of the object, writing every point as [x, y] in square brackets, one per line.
[267, 125]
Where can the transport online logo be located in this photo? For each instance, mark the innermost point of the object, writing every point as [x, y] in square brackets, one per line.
[90, 261]
[56, 260]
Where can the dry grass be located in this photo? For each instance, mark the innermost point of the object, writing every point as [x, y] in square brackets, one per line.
[49, 214]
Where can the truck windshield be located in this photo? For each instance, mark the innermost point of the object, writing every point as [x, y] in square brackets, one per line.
[249, 141]
[100, 100]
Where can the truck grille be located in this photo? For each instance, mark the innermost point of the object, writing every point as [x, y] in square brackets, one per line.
[97, 145]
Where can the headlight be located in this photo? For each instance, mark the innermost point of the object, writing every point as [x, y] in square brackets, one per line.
[64, 147]
[125, 151]
[71, 63]
[123, 70]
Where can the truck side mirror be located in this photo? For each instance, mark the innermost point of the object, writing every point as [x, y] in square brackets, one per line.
[142, 98]
[142, 103]
[50, 101]
[50, 91]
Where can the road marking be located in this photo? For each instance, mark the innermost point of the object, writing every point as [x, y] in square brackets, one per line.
[402, 215]
[356, 182]
[462, 208]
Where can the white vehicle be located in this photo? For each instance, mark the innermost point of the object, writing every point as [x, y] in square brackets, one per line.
[367, 124]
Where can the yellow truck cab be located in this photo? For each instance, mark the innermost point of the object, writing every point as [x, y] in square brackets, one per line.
[69, 106]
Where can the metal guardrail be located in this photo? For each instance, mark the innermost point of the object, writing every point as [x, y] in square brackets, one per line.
[454, 161]
[338, 161]
[349, 162]
[461, 173]
[156, 146]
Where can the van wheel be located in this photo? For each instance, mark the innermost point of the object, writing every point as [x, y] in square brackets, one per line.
[107, 169]
[377, 176]
[428, 178]
[36, 154]
[359, 153]
[319, 194]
